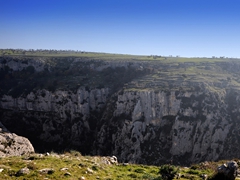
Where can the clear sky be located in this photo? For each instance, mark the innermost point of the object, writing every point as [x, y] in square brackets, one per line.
[189, 28]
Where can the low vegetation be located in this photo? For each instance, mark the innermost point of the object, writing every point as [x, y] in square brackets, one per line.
[72, 165]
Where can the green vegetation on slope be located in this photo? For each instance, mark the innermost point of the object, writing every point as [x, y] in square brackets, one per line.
[75, 166]
[72, 166]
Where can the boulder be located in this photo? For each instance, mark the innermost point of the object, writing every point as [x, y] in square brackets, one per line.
[12, 144]
[110, 160]
[228, 171]
[46, 171]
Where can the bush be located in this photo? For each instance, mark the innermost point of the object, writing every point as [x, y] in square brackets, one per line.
[150, 177]
[30, 69]
[132, 175]
[139, 170]
[218, 176]
[193, 171]
[168, 172]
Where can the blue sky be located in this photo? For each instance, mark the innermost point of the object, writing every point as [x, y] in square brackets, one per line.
[189, 28]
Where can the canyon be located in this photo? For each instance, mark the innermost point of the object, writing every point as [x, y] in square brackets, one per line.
[141, 110]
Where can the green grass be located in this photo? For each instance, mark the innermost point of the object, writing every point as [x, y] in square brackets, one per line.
[106, 56]
[78, 166]
[93, 167]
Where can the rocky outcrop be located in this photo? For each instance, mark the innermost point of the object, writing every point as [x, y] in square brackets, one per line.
[12, 144]
[18, 64]
[227, 171]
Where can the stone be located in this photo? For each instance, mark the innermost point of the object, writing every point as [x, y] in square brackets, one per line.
[89, 171]
[23, 171]
[67, 174]
[64, 169]
[113, 160]
[110, 160]
[41, 155]
[229, 170]
[47, 171]
[204, 176]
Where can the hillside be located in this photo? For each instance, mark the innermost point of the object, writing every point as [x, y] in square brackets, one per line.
[72, 165]
[142, 109]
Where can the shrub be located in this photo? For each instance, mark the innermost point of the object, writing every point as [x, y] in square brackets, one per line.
[32, 166]
[95, 168]
[194, 171]
[150, 177]
[132, 175]
[168, 171]
[139, 170]
[218, 176]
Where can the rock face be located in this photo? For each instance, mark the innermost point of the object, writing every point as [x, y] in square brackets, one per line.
[13, 145]
[56, 120]
[17, 64]
[158, 117]
[181, 127]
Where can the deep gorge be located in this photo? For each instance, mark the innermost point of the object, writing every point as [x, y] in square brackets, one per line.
[142, 111]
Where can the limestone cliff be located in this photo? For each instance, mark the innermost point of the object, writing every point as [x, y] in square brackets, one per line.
[55, 120]
[181, 127]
